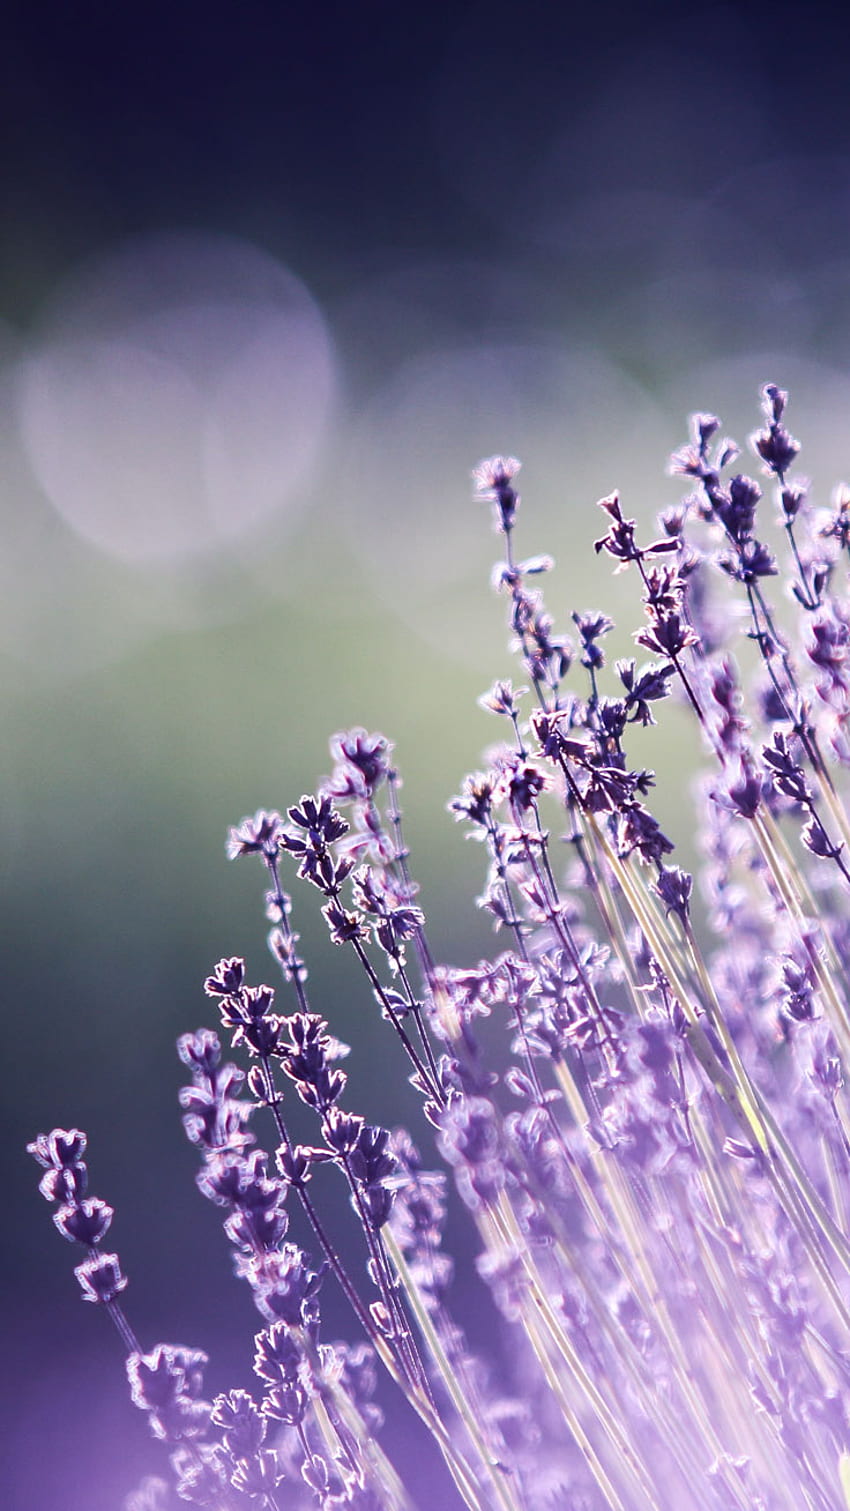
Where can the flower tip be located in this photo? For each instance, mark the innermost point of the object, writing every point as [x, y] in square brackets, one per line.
[494, 475]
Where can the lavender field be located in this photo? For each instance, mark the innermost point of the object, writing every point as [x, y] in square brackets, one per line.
[654, 1160]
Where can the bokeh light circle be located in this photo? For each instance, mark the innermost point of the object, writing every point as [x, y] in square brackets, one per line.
[177, 396]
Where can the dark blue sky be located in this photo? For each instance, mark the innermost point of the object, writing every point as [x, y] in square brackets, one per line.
[333, 131]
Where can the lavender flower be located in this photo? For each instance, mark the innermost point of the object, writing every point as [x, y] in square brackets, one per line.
[642, 1109]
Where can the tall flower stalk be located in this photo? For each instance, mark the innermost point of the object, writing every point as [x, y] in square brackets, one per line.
[655, 1168]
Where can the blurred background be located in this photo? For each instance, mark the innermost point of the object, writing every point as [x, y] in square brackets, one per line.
[273, 278]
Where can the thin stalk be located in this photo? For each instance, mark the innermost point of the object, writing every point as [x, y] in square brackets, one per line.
[506, 1231]
[790, 895]
[651, 1291]
[381, 1473]
[329, 1252]
[433, 1087]
[499, 1477]
[742, 1097]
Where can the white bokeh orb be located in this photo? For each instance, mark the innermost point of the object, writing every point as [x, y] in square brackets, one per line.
[176, 396]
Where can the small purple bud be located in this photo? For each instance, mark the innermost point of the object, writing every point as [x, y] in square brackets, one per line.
[258, 835]
[85, 1223]
[101, 1278]
[200, 1050]
[227, 978]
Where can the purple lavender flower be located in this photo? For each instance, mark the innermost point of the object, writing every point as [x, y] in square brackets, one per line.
[493, 481]
[362, 762]
[641, 1099]
[258, 835]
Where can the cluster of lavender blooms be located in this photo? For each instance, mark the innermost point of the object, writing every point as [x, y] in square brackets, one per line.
[657, 1170]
